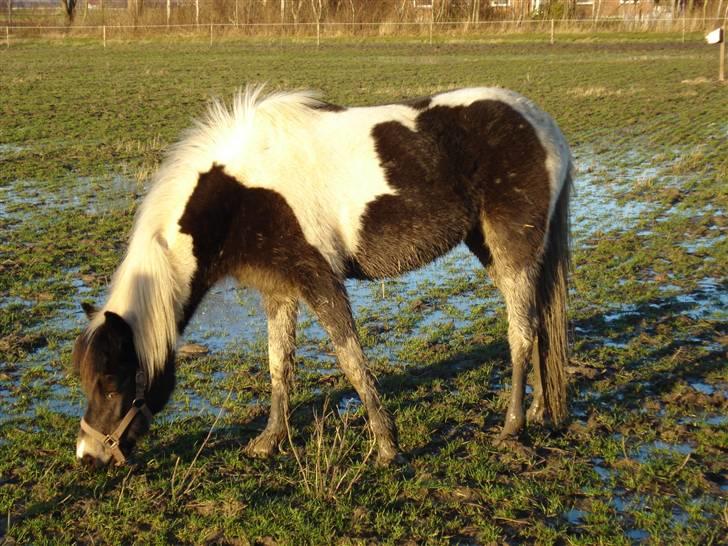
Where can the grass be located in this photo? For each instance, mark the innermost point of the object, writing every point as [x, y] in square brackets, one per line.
[642, 461]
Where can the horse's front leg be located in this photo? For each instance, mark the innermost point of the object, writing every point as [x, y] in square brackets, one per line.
[331, 304]
[281, 312]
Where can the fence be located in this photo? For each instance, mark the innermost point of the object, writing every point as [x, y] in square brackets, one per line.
[426, 31]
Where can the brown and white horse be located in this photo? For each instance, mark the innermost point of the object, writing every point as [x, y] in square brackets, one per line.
[291, 195]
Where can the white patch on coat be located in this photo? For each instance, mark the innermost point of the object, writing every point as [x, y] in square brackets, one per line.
[80, 448]
[558, 154]
[88, 446]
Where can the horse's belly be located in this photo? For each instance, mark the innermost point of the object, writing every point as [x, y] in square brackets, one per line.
[400, 233]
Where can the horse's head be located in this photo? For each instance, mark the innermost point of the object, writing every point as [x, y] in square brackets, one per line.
[116, 387]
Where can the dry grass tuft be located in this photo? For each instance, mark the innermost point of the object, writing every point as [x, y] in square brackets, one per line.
[328, 466]
[599, 91]
[696, 81]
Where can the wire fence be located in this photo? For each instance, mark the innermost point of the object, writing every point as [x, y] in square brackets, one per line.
[427, 31]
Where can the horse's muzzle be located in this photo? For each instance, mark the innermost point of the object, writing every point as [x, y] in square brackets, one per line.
[103, 447]
[90, 452]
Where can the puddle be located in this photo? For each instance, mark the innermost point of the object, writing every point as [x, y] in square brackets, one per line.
[623, 311]
[228, 316]
[700, 245]
[709, 301]
[90, 194]
[703, 388]
[12, 303]
[595, 206]
[348, 405]
[604, 473]
[638, 535]
[574, 516]
[644, 452]
[72, 318]
[185, 404]
[38, 384]
[624, 501]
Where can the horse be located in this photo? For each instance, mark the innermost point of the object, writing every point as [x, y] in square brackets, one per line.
[292, 195]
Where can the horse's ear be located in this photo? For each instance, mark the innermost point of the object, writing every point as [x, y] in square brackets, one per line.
[121, 337]
[89, 309]
[78, 347]
[115, 321]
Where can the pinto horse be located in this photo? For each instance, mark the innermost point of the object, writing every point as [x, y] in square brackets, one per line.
[291, 195]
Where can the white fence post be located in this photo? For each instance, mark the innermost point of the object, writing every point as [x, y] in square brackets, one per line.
[552, 31]
[7, 37]
[721, 68]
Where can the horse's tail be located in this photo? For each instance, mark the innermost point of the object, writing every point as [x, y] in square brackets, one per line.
[551, 298]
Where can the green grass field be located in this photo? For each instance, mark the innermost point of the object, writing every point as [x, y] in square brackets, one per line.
[645, 458]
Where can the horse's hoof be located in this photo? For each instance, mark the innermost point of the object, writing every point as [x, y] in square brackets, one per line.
[508, 437]
[398, 462]
[536, 416]
[390, 457]
[262, 447]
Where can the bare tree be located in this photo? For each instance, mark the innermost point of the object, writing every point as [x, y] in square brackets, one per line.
[317, 9]
[69, 6]
[135, 8]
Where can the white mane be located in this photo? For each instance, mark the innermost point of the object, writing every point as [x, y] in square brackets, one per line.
[152, 284]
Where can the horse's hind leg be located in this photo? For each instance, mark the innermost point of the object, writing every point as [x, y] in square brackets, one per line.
[537, 411]
[329, 301]
[513, 263]
[517, 288]
[281, 312]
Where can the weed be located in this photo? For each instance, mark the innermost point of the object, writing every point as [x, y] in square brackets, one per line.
[328, 467]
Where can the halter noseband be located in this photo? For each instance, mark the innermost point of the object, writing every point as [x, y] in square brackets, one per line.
[111, 441]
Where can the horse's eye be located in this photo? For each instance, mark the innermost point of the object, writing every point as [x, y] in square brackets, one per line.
[110, 395]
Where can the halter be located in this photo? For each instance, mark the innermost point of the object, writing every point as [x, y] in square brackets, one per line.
[111, 441]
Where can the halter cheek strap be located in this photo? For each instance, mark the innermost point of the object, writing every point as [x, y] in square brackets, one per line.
[111, 441]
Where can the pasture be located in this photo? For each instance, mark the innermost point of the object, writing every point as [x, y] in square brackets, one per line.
[645, 456]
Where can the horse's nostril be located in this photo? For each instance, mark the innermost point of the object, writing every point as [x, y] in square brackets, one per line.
[89, 461]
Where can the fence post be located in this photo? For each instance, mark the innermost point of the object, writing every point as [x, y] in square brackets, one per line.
[721, 68]
[552, 32]
[197, 14]
[7, 37]
[683, 27]
[103, 30]
[169, 12]
[211, 33]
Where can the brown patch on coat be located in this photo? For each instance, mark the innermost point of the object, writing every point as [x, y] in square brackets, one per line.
[461, 165]
[253, 234]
